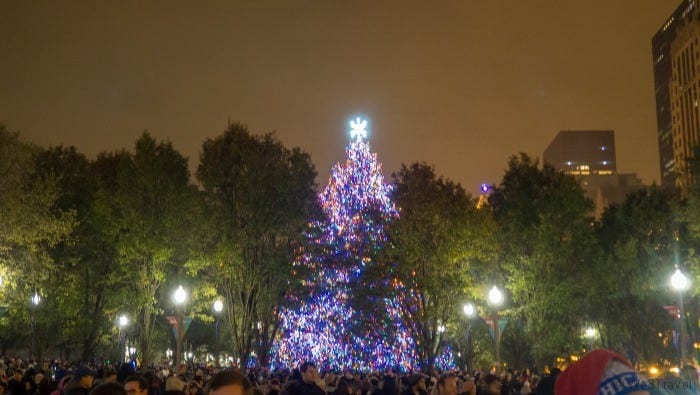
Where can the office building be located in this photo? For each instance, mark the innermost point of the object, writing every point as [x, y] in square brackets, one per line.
[676, 57]
[590, 157]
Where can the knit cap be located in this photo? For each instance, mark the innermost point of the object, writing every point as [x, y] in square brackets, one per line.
[600, 372]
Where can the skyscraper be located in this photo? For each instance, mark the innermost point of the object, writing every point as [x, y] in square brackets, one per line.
[676, 56]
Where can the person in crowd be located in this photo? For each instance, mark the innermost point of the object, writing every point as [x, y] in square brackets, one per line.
[135, 385]
[174, 386]
[229, 382]
[601, 372]
[492, 385]
[111, 388]
[194, 388]
[546, 385]
[81, 384]
[416, 385]
[310, 383]
[446, 385]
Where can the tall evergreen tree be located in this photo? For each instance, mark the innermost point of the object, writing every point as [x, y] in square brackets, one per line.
[327, 326]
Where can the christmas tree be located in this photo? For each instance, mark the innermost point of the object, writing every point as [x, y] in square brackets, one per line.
[327, 327]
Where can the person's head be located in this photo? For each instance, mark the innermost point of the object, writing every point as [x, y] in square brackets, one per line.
[135, 385]
[309, 372]
[110, 376]
[493, 384]
[173, 383]
[108, 389]
[193, 388]
[447, 384]
[85, 376]
[229, 382]
[601, 371]
[417, 383]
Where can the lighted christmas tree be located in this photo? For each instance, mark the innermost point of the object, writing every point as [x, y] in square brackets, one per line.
[326, 328]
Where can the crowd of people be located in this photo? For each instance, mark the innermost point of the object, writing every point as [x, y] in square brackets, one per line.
[599, 372]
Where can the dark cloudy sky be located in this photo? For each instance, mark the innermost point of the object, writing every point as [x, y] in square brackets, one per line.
[461, 85]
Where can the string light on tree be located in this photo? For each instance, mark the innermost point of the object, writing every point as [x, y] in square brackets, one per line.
[357, 207]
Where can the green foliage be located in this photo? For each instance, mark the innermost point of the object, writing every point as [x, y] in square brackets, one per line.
[638, 245]
[150, 204]
[439, 242]
[260, 196]
[546, 239]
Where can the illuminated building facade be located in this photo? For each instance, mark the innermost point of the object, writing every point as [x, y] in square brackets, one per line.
[676, 57]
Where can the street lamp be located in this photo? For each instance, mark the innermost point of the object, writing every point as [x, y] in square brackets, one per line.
[469, 311]
[36, 299]
[218, 307]
[123, 322]
[680, 283]
[496, 299]
[179, 298]
[590, 335]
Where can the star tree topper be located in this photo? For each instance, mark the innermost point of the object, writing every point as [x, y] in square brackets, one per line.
[359, 130]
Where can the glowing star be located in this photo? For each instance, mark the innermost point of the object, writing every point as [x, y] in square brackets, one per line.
[359, 130]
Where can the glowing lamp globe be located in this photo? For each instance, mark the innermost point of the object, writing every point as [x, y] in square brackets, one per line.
[469, 310]
[495, 296]
[218, 306]
[679, 281]
[180, 295]
[36, 299]
[123, 321]
[590, 333]
[485, 188]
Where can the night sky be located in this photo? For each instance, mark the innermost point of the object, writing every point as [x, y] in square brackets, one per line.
[461, 85]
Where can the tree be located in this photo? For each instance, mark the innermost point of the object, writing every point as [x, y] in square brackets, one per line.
[30, 223]
[638, 244]
[546, 238]
[438, 244]
[87, 289]
[151, 205]
[345, 317]
[260, 195]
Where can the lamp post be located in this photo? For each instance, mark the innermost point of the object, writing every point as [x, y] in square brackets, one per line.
[680, 283]
[179, 298]
[495, 299]
[36, 299]
[469, 311]
[590, 335]
[123, 322]
[218, 307]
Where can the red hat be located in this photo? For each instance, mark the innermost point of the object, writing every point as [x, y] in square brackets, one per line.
[599, 372]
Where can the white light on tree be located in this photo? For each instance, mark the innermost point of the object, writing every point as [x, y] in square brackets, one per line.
[180, 295]
[590, 333]
[495, 296]
[36, 299]
[679, 281]
[218, 306]
[441, 328]
[123, 321]
[359, 129]
[469, 310]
